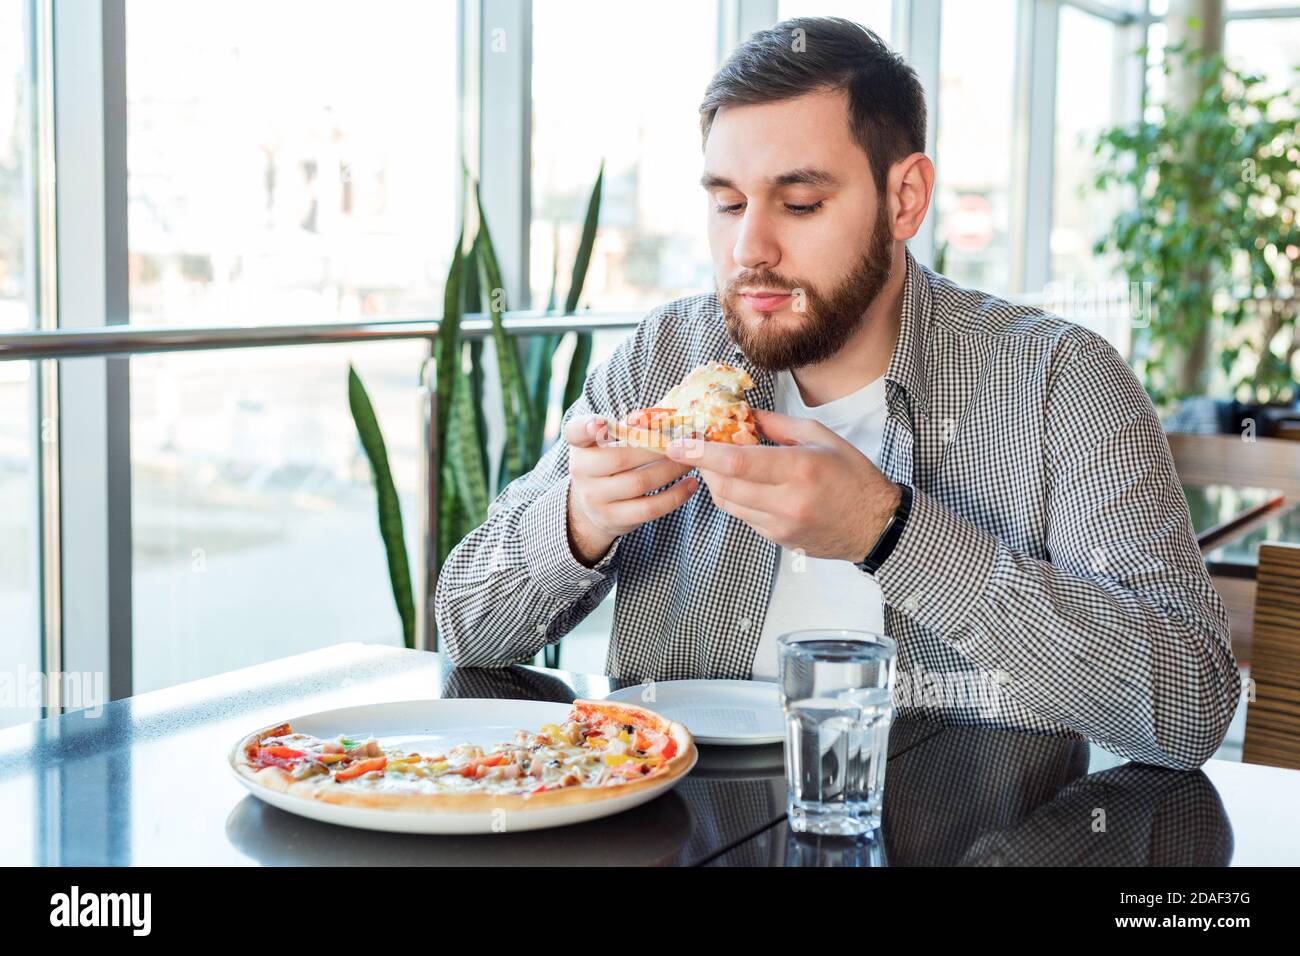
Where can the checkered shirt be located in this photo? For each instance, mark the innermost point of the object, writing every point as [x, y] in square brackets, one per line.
[1048, 579]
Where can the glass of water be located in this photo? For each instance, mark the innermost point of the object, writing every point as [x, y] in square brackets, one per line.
[836, 690]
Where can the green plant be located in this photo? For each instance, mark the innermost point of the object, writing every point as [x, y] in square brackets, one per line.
[1212, 234]
[474, 284]
[390, 508]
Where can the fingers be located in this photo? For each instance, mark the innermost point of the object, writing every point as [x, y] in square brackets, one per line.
[640, 510]
[610, 460]
[756, 496]
[747, 462]
[636, 482]
[583, 431]
[788, 430]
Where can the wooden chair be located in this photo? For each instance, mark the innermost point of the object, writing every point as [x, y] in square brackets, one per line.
[1273, 717]
[1227, 460]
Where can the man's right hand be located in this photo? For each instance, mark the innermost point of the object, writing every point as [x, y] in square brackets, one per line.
[609, 486]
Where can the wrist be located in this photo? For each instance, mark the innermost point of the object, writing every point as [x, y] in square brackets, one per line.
[885, 506]
[587, 544]
[889, 533]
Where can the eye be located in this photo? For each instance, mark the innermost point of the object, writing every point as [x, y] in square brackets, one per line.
[805, 210]
[729, 210]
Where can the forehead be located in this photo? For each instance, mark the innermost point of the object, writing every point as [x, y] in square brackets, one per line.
[756, 141]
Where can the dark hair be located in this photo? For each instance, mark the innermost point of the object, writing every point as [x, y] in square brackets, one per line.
[886, 100]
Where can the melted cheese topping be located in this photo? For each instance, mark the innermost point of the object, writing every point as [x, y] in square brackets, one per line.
[710, 384]
[573, 754]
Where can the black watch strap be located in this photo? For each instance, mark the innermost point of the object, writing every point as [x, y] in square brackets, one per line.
[888, 539]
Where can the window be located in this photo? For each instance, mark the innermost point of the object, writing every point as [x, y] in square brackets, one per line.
[20, 647]
[614, 82]
[1085, 104]
[1089, 59]
[254, 527]
[973, 167]
[290, 161]
[20, 589]
[875, 15]
[1269, 47]
[287, 162]
[15, 206]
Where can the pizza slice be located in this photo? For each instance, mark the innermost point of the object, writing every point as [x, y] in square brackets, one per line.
[708, 404]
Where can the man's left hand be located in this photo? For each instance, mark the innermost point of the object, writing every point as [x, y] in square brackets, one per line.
[815, 491]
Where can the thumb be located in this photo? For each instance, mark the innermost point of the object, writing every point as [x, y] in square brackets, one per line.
[788, 430]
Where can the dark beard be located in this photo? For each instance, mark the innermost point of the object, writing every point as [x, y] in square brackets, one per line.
[828, 320]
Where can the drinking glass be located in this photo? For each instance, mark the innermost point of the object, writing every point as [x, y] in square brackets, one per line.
[836, 691]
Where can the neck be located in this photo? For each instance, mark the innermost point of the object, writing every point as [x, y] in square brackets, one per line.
[865, 356]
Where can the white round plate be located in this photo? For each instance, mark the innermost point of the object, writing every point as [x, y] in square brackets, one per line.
[432, 725]
[737, 713]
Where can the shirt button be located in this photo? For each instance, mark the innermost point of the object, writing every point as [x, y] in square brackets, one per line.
[911, 605]
[584, 583]
[1001, 677]
[744, 624]
[541, 628]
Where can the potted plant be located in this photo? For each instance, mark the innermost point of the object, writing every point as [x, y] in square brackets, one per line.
[1213, 235]
[524, 365]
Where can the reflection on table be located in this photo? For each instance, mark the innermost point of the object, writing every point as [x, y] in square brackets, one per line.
[1238, 557]
[1218, 510]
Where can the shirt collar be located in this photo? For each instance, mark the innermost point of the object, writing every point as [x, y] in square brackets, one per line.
[906, 366]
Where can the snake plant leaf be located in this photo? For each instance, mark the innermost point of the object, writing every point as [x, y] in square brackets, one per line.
[448, 509]
[514, 393]
[471, 292]
[471, 300]
[513, 397]
[447, 344]
[577, 369]
[577, 376]
[462, 455]
[539, 359]
[586, 243]
[555, 268]
[476, 377]
[390, 508]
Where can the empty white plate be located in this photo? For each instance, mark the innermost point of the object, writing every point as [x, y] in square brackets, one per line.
[738, 713]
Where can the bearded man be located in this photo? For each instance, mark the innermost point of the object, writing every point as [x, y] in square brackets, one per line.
[986, 484]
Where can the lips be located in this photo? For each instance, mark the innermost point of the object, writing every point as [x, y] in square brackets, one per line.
[766, 301]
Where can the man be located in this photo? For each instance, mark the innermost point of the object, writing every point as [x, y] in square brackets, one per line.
[1046, 576]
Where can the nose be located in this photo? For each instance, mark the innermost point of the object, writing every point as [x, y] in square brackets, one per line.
[756, 247]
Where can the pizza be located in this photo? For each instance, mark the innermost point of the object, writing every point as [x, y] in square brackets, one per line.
[708, 404]
[602, 749]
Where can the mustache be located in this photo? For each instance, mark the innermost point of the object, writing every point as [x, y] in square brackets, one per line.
[765, 280]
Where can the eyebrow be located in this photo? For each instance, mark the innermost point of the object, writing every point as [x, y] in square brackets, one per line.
[804, 176]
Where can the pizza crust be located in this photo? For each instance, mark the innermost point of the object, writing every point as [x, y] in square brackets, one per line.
[654, 441]
[325, 790]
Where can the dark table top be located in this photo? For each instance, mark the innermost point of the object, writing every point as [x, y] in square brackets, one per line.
[1238, 557]
[1218, 510]
[145, 781]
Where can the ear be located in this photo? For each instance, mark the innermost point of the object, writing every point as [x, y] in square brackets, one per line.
[910, 186]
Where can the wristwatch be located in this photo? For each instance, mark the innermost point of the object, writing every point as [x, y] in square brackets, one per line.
[884, 545]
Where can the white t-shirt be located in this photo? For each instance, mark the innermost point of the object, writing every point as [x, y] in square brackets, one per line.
[825, 592]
